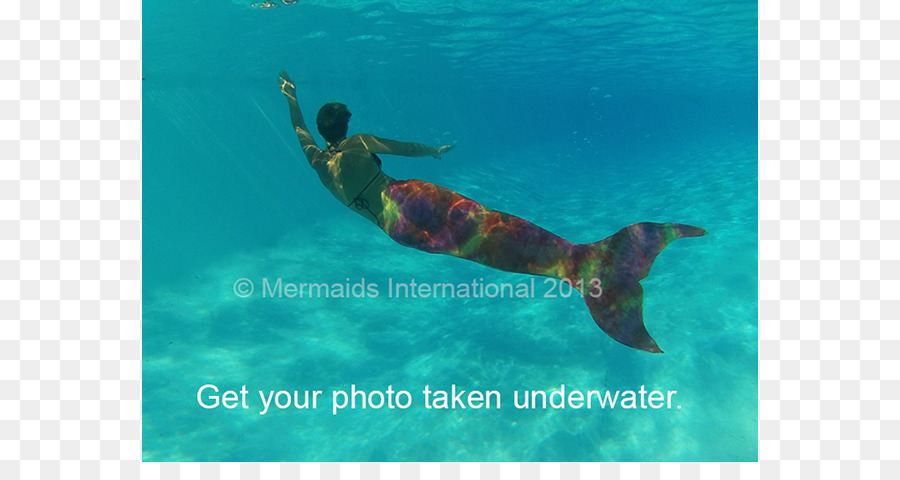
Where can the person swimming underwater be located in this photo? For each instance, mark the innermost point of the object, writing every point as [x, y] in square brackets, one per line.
[435, 219]
[271, 4]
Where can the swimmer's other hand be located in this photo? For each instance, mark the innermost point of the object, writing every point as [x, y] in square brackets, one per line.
[287, 85]
[443, 148]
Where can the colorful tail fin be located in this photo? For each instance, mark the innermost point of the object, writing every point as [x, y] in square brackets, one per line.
[620, 262]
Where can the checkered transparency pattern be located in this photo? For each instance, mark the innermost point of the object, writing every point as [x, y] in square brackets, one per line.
[829, 94]
[70, 233]
[70, 254]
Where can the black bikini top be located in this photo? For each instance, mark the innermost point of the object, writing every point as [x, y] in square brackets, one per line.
[332, 149]
[362, 203]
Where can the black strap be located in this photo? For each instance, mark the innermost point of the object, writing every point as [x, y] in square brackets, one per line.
[362, 203]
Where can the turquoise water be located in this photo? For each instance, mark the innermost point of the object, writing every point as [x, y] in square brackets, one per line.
[581, 117]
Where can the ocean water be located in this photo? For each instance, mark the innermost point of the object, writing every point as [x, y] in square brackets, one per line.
[582, 117]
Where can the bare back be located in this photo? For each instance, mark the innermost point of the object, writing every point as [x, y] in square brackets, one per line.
[347, 168]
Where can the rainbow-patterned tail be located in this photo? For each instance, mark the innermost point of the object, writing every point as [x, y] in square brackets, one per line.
[435, 219]
[621, 261]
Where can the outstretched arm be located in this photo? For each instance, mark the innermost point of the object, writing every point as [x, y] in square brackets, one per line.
[306, 140]
[407, 149]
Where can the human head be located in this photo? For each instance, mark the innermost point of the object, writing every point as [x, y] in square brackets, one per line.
[332, 121]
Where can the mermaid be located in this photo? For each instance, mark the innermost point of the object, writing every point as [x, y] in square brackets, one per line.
[435, 219]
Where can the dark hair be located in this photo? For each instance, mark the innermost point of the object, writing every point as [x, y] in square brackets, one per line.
[332, 121]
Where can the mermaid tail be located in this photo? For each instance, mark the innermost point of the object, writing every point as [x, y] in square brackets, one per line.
[438, 220]
[621, 261]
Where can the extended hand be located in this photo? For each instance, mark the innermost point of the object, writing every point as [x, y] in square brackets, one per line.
[443, 148]
[287, 85]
